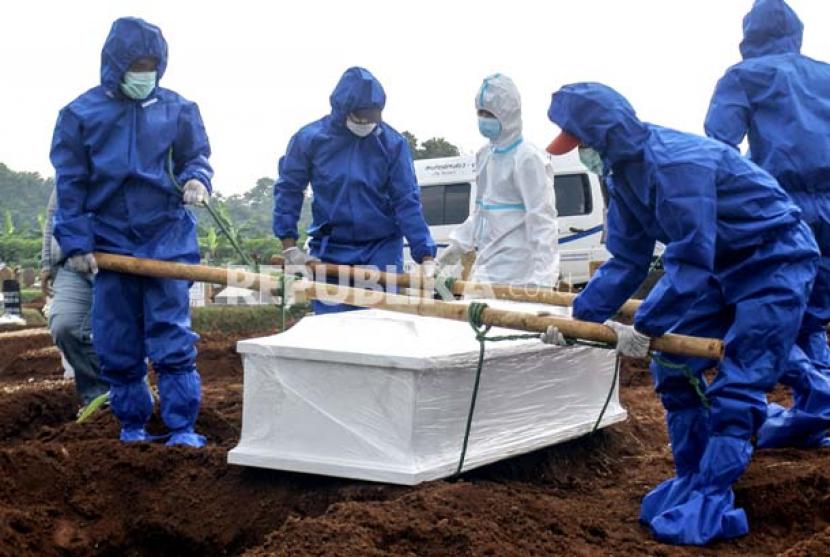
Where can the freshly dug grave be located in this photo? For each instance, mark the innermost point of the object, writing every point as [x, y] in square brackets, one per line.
[70, 489]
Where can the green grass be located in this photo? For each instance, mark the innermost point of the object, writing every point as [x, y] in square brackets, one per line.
[212, 319]
[34, 318]
[240, 319]
[28, 295]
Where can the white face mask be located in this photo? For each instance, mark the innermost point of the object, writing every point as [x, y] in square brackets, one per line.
[592, 161]
[360, 130]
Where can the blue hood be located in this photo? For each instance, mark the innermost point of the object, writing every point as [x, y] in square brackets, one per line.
[600, 118]
[357, 89]
[130, 38]
[771, 27]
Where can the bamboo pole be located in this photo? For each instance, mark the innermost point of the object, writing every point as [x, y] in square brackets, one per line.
[535, 294]
[673, 344]
[186, 271]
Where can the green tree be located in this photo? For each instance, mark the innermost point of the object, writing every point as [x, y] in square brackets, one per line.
[41, 223]
[412, 141]
[25, 194]
[438, 147]
[434, 148]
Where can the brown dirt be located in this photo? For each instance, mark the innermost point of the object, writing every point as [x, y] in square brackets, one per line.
[73, 490]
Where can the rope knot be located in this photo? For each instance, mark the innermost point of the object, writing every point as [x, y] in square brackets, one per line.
[475, 316]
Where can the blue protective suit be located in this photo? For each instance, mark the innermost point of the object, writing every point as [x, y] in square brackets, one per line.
[781, 100]
[739, 265]
[114, 195]
[366, 196]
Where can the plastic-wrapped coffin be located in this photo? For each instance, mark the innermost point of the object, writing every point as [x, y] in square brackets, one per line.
[384, 396]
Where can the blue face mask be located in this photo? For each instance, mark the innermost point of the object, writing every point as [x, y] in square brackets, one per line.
[592, 161]
[489, 127]
[138, 85]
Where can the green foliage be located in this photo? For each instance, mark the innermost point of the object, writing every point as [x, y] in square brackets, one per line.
[8, 224]
[437, 147]
[241, 319]
[434, 148]
[29, 295]
[15, 250]
[412, 141]
[24, 195]
[211, 243]
[250, 215]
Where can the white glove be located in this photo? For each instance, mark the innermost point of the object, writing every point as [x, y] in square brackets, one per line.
[428, 269]
[47, 307]
[554, 336]
[296, 256]
[630, 342]
[83, 263]
[194, 193]
[449, 256]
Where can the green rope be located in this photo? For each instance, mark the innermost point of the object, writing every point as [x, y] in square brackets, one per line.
[216, 218]
[283, 302]
[449, 283]
[92, 407]
[608, 398]
[475, 313]
[694, 381]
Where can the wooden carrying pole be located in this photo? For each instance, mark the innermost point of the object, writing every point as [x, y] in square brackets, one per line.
[185, 271]
[537, 294]
[673, 344]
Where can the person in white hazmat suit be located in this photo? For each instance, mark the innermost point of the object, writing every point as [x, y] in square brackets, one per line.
[513, 228]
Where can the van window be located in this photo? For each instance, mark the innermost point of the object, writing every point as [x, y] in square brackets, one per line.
[573, 195]
[446, 204]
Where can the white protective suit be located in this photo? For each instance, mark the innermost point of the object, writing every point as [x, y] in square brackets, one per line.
[513, 228]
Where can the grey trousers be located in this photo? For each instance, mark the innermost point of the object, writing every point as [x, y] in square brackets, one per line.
[70, 324]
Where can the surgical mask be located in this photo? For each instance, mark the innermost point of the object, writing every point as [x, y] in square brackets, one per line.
[138, 85]
[489, 127]
[592, 161]
[361, 130]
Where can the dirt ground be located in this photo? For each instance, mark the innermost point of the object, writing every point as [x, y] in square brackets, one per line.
[71, 490]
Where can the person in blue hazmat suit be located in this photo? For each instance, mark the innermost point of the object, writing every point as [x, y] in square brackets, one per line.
[780, 99]
[513, 228]
[739, 265]
[119, 151]
[365, 195]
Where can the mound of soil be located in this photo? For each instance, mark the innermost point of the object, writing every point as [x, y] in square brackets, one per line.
[73, 489]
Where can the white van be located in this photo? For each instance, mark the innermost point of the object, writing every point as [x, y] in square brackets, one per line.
[448, 192]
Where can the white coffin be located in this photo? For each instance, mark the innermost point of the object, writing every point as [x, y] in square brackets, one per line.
[384, 396]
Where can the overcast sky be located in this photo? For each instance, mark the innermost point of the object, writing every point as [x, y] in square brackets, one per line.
[260, 70]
